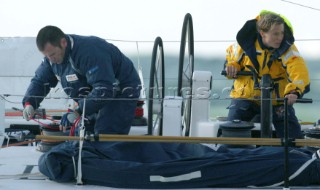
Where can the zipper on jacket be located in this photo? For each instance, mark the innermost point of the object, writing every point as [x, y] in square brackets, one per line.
[265, 59]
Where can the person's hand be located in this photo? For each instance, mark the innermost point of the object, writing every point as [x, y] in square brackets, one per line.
[231, 71]
[64, 122]
[28, 111]
[292, 98]
[72, 117]
[69, 118]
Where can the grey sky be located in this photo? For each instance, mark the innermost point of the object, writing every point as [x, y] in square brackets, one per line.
[144, 20]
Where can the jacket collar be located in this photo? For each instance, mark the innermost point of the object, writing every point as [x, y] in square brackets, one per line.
[68, 48]
[247, 36]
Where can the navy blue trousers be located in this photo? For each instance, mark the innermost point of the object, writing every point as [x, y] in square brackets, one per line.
[115, 117]
[246, 110]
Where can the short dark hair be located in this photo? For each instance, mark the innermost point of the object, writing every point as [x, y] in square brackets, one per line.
[51, 34]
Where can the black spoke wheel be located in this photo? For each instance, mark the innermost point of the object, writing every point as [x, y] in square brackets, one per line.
[186, 67]
[156, 89]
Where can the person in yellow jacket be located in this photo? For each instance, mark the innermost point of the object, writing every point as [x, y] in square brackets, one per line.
[265, 45]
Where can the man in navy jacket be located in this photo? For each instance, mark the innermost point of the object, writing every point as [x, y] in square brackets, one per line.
[90, 67]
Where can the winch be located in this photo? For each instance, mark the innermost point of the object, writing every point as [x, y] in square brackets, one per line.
[237, 128]
[50, 130]
[313, 133]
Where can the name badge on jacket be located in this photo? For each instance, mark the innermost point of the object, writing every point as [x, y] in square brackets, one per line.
[72, 78]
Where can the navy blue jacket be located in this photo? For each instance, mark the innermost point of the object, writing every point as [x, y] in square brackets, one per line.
[91, 67]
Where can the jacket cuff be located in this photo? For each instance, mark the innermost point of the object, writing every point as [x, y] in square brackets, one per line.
[291, 88]
[27, 104]
[296, 93]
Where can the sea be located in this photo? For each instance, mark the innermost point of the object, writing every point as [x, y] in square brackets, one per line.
[19, 59]
[220, 99]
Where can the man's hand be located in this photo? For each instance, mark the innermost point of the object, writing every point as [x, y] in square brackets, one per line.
[64, 122]
[231, 71]
[292, 98]
[68, 120]
[28, 111]
[73, 116]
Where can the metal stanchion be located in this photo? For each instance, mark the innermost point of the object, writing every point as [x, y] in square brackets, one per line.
[266, 106]
[286, 146]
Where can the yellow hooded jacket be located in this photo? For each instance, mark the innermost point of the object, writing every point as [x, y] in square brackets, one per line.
[285, 65]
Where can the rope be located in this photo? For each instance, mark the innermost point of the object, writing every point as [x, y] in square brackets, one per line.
[73, 127]
[20, 143]
[81, 138]
[305, 6]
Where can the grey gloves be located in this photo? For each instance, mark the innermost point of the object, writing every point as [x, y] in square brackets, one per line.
[28, 111]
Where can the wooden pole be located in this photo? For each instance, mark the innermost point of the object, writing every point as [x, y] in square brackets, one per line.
[173, 139]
